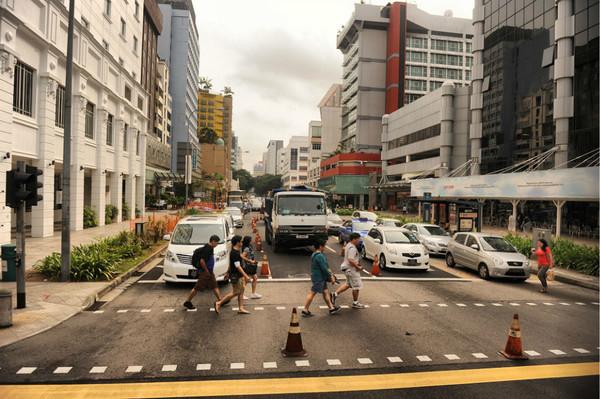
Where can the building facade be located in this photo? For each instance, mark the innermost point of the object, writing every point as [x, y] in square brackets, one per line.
[151, 29]
[259, 169]
[178, 46]
[295, 157]
[273, 164]
[109, 112]
[330, 108]
[314, 158]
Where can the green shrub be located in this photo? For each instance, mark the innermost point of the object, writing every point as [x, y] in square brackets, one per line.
[581, 258]
[522, 244]
[49, 266]
[110, 213]
[344, 211]
[125, 211]
[89, 218]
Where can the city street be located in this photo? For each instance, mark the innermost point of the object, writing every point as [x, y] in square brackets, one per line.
[412, 324]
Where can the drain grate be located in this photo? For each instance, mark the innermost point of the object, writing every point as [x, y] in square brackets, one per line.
[95, 306]
[153, 274]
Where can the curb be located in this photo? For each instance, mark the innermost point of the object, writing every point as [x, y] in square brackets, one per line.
[570, 280]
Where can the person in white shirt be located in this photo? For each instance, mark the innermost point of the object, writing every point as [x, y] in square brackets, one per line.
[351, 268]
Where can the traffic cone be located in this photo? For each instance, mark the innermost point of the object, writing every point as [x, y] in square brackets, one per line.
[293, 346]
[264, 268]
[258, 242]
[375, 270]
[514, 347]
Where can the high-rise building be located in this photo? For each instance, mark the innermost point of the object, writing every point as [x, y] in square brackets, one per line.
[259, 169]
[273, 165]
[109, 113]
[330, 108]
[210, 112]
[152, 27]
[178, 46]
[295, 161]
[314, 158]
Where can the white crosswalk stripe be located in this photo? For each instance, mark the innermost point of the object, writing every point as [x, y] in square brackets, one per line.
[479, 305]
[384, 305]
[122, 310]
[548, 304]
[302, 363]
[423, 305]
[580, 303]
[497, 304]
[595, 303]
[334, 362]
[98, 370]
[394, 359]
[514, 304]
[442, 305]
[280, 308]
[146, 310]
[203, 366]
[404, 305]
[269, 365]
[98, 311]
[26, 370]
[364, 360]
[565, 304]
[133, 369]
[461, 305]
[581, 350]
[322, 307]
[171, 310]
[452, 357]
[169, 367]
[532, 353]
[259, 308]
[556, 352]
[532, 304]
[62, 370]
[192, 310]
[479, 355]
[424, 358]
[237, 366]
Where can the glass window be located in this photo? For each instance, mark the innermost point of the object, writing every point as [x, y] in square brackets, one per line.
[23, 89]
[109, 130]
[416, 70]
[196, 234]
[420, 85]
[137, 143]
[470, 241]
[294, 159]
[300, 205]
[89, 120]
[107, 7]
[455, 46]
[437, 44]
[125, 136]
[59, 107]
[454, 74]
[416, 56]
[434, 85]
[496, 244]
[460, 238]
[398, 237]
[435, 231]
[417, 42]
[469, 46]
[123, 27]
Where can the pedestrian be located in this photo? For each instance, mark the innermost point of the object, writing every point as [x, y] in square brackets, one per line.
[351, 268]
[203, 260]
[320, 274]
[237, 277]
[250, 265]
[545, 262]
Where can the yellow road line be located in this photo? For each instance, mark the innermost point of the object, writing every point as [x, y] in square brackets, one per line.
[299, 385]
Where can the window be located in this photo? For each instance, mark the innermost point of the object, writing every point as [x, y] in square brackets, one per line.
[420, 85]
[454, 74]
[109, 130]
[470, 241]
[89, 120]
[469, 61]
[460, 238]
[416, 70]
[316, 146]
[59, 107]
[23, 89]
[416, 56]
[121, 61]
[437, 72]
[137, 143]
[454, 60]
[123, 28]
[135, 44]
[419, 135]
[438, 58]
[140, 103]
[107, 7]
[469, 47]
[294, 159]
[125, 134]
[128, 93]
[455, 47]
[417, 42]
[137, 10]
[85, 22]
[434, 85]
[468, 75]
[410, 97]
[437, 44]
[303, 149]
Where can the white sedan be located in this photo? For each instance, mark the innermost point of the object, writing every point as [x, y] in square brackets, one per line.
[396, 248]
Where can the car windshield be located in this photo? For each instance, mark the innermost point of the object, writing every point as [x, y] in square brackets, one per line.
[236, 204]
[196, 234]
[400, 237]
[368, 215]
[301, 205]
[362, 226]
[233, 211]
[392, 223]
[497, 244]
[435, 230]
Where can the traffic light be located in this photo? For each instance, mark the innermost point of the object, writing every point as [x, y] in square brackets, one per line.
[23, 186]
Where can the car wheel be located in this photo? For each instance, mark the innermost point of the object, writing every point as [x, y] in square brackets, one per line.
[450, 260]
[382, 263]
[484, 273]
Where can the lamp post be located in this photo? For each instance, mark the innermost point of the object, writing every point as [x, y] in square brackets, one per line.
[188, 157]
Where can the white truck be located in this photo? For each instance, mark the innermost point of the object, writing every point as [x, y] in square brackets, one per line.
[295, 217]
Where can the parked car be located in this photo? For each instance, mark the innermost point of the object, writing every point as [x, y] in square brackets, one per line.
[190, 233]
[364, 215]
[490, 255]
[396, 248]
[334, 224]
[236, 214]
[388, 222]
[360, 226]
[434, 237]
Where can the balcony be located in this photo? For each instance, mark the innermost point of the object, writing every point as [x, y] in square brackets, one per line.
[350, 67]
[351, 53]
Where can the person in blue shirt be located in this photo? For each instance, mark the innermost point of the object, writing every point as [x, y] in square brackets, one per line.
[319, 276]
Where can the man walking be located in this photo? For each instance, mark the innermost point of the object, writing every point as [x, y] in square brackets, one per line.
[204, 261]
[237, 277]
[351, 268]
[319, 275]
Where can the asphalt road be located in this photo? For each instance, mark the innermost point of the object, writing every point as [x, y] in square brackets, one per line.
[144, 334]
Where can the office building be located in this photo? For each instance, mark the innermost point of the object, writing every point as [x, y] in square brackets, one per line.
[295, 158]
[259, 169]
[273, 164]
[330, 108]
[314, 157]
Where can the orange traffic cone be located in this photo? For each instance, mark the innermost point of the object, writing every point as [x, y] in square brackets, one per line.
[258, 243]
[265, 270]
[375, 270]
[293, 346]
[514, 347]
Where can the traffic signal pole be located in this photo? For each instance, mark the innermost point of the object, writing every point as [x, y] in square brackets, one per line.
[21, 301]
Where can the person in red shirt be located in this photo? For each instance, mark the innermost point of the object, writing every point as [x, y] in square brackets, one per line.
[545, 262]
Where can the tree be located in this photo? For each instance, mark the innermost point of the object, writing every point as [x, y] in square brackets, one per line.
[265, 183]
[227, 90]
[205, 83]
[207, 135]
[245, 178]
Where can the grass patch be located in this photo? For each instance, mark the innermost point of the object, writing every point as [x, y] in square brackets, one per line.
[127, 264]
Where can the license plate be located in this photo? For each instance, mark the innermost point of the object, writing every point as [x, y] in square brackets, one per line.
[412, 262]
[193, 273]
[301, 235]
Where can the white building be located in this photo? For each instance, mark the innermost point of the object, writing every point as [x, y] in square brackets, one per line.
[109, 123]
[259, 169]
[330, 108]
[295, 161]
[273, 162]
[314, 160]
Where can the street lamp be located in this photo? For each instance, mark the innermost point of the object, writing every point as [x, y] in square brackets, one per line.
[188, 161]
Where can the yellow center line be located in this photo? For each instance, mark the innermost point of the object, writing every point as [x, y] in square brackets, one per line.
[299, 385]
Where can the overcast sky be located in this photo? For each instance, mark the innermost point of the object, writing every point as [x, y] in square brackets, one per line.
[279, 57]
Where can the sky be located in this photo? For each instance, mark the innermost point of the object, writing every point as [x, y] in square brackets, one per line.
[279, 57]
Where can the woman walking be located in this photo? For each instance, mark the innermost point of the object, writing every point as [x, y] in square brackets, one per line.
[545, 262]
[250, 264]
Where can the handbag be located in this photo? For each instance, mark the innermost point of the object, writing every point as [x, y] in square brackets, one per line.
[550, 275]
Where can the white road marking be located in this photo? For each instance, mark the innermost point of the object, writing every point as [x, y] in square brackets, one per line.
[302, 363]
[237, 366]
[122, 310]
[364, 360]
[62, 370]
[580, 303]
[479, 355]
[452, 357]
[532, 353]
[280, 308]
[235, 309]
[565, 304]
[514, 304]
[171, 310]
[496, 304]
[134, 369]
[548, 304]
[423, 305]
[404, 305]
[595, 303]
[442, 305]
[98, 370]
[345, 307]
[479, 304]
[322, 307]
[581, 350]
[556, 352]
[269, 365]
[203, 366]
[462, 305]
[331, 249]
[192, 310]
[301, 307]
[259, 308]
[334, 362]
[211, 309]
[145, 310]
[26, 370]
[383, 305]
[98, 311]
[367, 306]
[169, 367]
[424, 358]
[532, 304]
[394, 359]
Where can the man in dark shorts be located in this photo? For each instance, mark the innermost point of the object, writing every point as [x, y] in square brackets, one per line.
[237, 277]
[203, 259]
[319, 276]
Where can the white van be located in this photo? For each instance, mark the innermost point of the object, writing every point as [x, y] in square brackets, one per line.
[191, 233]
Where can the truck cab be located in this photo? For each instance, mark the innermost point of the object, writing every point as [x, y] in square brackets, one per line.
[296, 217]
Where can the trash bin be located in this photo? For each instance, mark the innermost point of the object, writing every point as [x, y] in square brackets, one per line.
[5, 308]
[9, 262]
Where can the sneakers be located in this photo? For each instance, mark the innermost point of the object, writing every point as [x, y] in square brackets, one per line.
[189, 305]
[333, 296]
[246, 298]
[357, 305]
[335, 310]
[307, 313]
[255, 296]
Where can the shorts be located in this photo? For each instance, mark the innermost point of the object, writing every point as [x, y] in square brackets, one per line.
[353, 278]
[318, 286]
[238, 286]
[206, 281]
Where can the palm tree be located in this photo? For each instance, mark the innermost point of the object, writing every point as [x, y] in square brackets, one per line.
[205, 83]
[207, 135]
[227, 90]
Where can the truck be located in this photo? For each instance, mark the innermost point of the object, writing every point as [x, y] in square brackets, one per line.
[295, 217]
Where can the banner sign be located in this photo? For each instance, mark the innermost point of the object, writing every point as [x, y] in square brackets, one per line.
[574, 184]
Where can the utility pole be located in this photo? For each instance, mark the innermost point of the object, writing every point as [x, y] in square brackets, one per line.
[65, 244]
[21, 301]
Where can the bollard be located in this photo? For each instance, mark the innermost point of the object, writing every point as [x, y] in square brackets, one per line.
[5, 308]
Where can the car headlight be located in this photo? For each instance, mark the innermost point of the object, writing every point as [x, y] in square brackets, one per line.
[392, 250]
[171, 257]
[498, 261]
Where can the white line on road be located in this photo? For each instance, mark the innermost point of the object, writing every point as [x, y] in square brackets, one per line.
[383, 305]
[479, 355]
[235, 309]
[334, 362]
[364, 360]
[404, 305]
[345, 307]
[423, 305]
[169, 367]
[595, 303]
[331, 249]
[192, 310]
[171, 310]
[394, 359]
[322, 307]
[269, 365]
[122, 310]
[237, 366]
[62, 370]
[98, 370]
[461, 305]
[280, 308]
[146, 310]
[580, 303]
[496, 304]
[531, 304]
[479, 304]
[442, 305]
[259, 308]
[532, 353]
[302, 363]
[565, 304]
[556, 352]
[26, 370]
[98, 311]
[581, 350]
[514, 304]
[203, 366]
[452, 357]
[134, 369]
[423, 358]
[548, 304]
